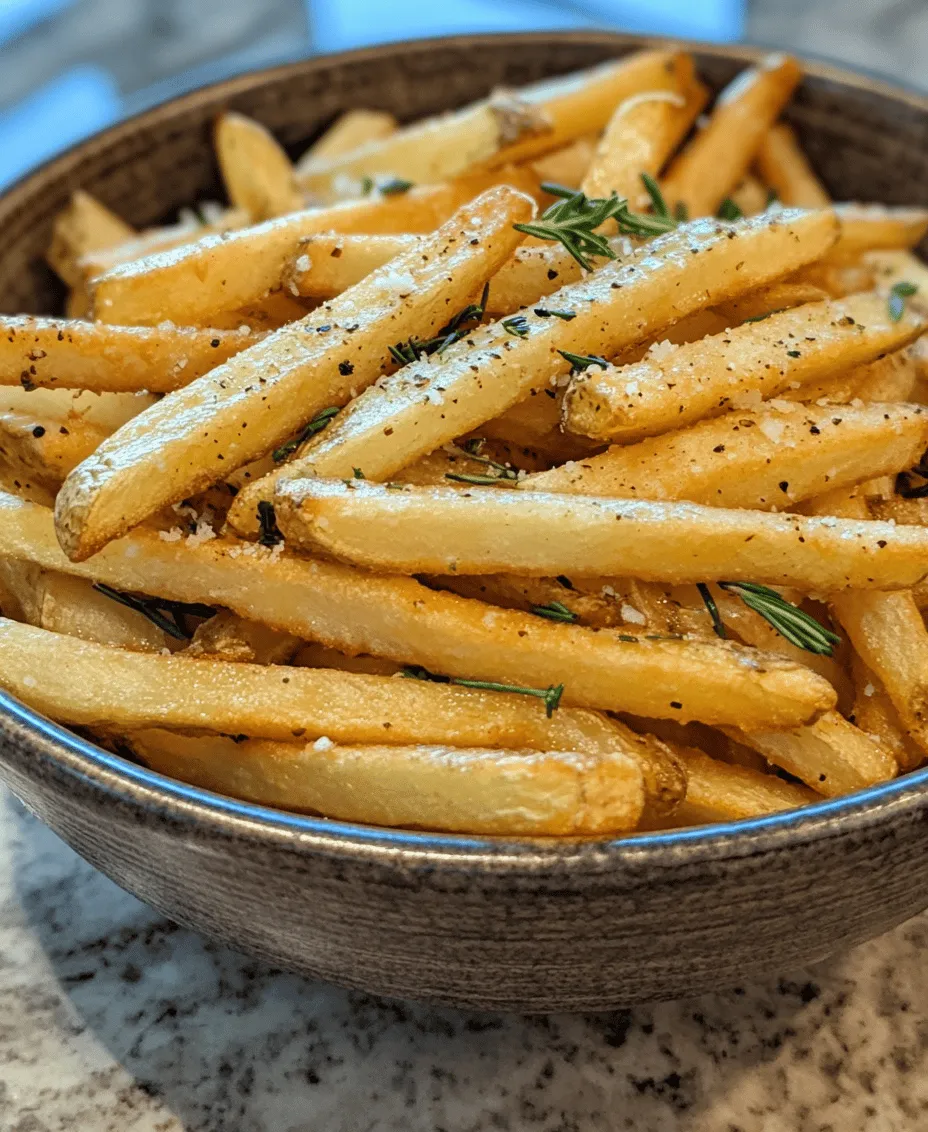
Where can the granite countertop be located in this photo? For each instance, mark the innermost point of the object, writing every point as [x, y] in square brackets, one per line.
[115, 1020]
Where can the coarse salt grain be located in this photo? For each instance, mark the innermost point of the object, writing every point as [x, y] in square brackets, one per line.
[175, 534]
[303, 263]
[630, 614]
[869, 690]
[29, 681]
[657, 351]
[323, 743]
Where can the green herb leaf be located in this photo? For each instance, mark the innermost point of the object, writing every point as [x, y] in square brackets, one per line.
[551, 696]
[797, 627]
[898, 294]
[317, 424]
[653, 189]
[728, 210]
[766, 314]
[517, 326]
[555, 611]
[367, 185]
[394, 186]
[460, 325]
[267, 520]
[155, 610]
[543, 312]
[580, 362]
[713, 609]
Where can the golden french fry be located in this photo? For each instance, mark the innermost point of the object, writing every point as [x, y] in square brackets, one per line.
[348, 132]
[767, 301]
[313, 655]
[892, 267]
[83, 227]
[734, 369]
[718, 791]
[786, 169]
[429, 403]
[16, 482]
[401, 619]
[868, 227]
[448, 789]
[231, 638]
[437, 530]
[551, 596]
[105, 411]
[893, 377]
[875, 715]
[767, 459]
[750, 196]
[716, 160]
[568, 165]
[43, 448]
[895, 509]
[506, 127]
[257, 173]
[261, 397]
[37, 351]
[831, 756]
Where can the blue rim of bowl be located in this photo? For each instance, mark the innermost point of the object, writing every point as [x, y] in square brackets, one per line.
[83, 764]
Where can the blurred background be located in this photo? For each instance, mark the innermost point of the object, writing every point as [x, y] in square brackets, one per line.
[70, 67]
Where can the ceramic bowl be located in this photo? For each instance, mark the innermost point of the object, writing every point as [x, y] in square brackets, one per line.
[475, 922]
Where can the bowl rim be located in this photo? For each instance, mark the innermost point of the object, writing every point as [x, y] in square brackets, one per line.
[37, 744]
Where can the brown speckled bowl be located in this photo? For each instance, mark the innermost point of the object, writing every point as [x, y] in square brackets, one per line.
[477, 922]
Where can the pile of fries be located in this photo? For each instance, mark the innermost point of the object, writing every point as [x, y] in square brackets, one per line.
[554, 467]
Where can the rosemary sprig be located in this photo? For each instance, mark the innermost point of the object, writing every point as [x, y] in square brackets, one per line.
[317, 424]
[471, 451]
[766, 314]
[267, 520]
[566, 316]
[713, 609]
[555, 611]
[414, 348]
[729, 210]
[797, 627]
[517, 326]
[550, 696]
[156, 609]
[898, 294]
[580, 362]
[653, 189]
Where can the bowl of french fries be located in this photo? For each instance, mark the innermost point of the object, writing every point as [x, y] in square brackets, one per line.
[463, 514]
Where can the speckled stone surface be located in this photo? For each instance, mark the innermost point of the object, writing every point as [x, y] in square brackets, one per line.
[113, 1020]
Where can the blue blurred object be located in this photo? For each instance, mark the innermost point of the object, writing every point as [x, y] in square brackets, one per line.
[18, 16]
[77, 103]
[339, 24]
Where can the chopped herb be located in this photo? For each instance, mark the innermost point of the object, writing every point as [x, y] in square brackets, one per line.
[551, 696]
[517, 326]
[267, 519]
[367, 185]
[414, 348]
[471, 451]
[713, 609]
[395, 186]
[797, 627]
[157, 610]
[766, 314]
[358, 474]
[317, 424]
[657, 197]
[555, 611]
[580, 362]
[565, 581]
[728, 210]
[794, 353]
[543, 312]
[898, 294]
[480, 480]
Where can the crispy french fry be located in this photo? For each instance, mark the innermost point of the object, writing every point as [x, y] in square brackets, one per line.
[875, 715]
[766, 301]
[768, 459]
[194, 284]
[672, 388]
[83, 227]
[256, 171]
[831, 756]
[894, 377]
[15, 482]
[50, 352]
[437, 530]
[400, 619]
[229, 637]
[549, 595]
[895, 509]
[502, 128]
[868, 227]
[892, 267]
[350, 130]
[44, 448]
[717, 791]
[535, 424]
[568, 165]
[716, 160]
[838, 278]
[267, 393]
[427, 404]
[750, 196]
[313, 655]
[105, 411]
[786, 169]
[449, 789]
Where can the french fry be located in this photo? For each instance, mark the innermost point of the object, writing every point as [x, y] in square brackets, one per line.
[533, 594]
[643, 132]
[500, 129]
[717, 791]
[672, 388]
[437, 530]
[838, 278]
[767, 459]
[257, 173]
[83, 227]
[427, 404]
[105, 411]
[350, 130]
[313, 655]
[868, 227]
[716, 160]
[568, 165]
[402, 620]
[447, 789]
[16, 482]
[875, 715]
[750, 196]
[892, 267]
[894, 377]
[786, 169]
[767, 301]
[895, 509]
[265, 394]
[831, 756]
[44, 448]
[53, 352]
[231, 638]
